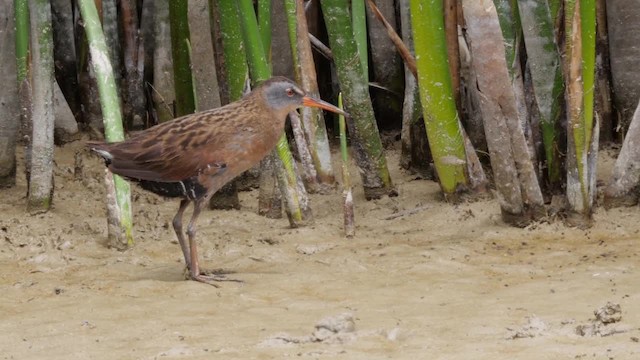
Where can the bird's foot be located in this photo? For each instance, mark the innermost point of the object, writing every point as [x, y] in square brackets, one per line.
[211, 277]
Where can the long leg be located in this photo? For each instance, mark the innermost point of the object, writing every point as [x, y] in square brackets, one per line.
[177, 227]
[194, 270]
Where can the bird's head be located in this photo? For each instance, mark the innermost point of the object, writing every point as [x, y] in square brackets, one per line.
[283, 95]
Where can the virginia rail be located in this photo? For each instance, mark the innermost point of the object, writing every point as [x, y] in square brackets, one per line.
[193, 156]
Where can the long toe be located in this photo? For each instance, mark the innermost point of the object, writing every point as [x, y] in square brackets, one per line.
[211, 277]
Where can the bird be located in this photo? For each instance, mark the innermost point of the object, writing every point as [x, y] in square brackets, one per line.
[193, 156]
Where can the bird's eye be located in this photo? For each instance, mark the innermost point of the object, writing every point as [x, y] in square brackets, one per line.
[290, 92]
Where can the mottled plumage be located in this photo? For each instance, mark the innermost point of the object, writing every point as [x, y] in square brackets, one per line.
[193, 156]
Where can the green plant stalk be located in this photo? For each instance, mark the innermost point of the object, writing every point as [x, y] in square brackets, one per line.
[293, 201]
[436, 94]
[9, 95]
[554, 8]
[299, 127]
[40, 187]
[588, 38]
[260, 71]
[264, 24]
[217, 45]
[349, 226]
[256, 56]
[21, 13]
[588, 19]
[342, 126]
[110, 104]
[549, 132]
[312, 119]
[510, 26]
[581, 109]
[109, 19]
[369, 152]
[163, 89]
[233, 48]
[359, 22]
[193, 79]
[574, 125]
[183, 80]
[290, 8]
[546, 73]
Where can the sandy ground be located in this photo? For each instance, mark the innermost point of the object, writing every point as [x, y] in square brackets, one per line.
[446, 282]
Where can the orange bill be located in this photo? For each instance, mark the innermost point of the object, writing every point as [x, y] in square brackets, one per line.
[309, 101]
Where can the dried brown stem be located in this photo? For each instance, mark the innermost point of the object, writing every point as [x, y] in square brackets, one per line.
[321, 47]
[395, 38]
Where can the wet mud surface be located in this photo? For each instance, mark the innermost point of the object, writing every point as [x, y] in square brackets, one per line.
[421, 280]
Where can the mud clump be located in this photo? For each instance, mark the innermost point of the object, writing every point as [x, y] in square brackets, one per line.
[605, 323]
